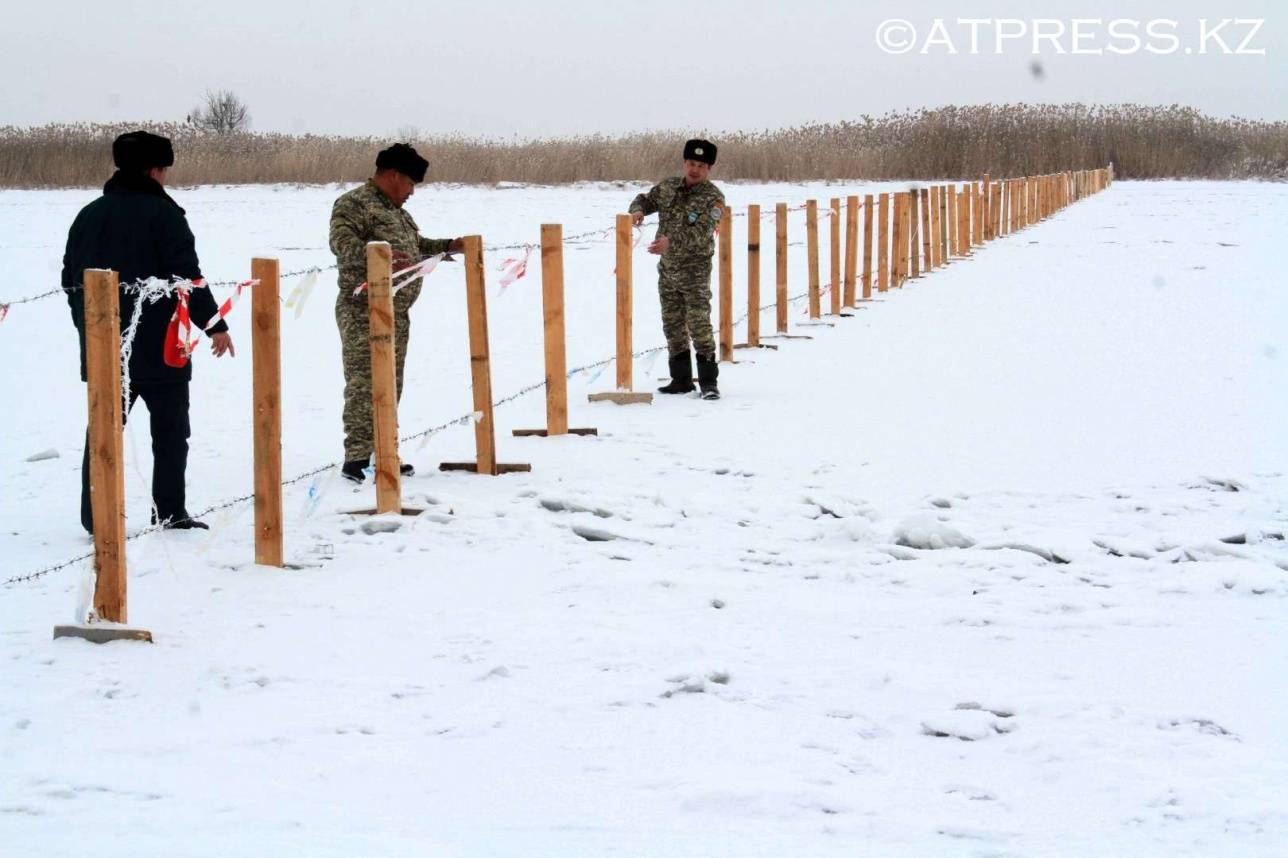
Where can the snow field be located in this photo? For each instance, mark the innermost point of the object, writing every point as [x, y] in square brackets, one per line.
[995, 567]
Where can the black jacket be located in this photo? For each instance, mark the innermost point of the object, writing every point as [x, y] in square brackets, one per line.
[136, 230]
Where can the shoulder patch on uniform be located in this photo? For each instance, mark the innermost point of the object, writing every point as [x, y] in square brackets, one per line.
[717, 212]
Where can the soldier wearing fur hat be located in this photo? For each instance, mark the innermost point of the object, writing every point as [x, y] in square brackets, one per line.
[689, 209]
[137, 230]
[374, 212]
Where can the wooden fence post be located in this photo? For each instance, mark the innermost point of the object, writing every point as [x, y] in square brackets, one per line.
[481, 368]
[897, 203]
[883, 244]
[867, 247]
[625, 302]
[914, 243]
[384, 386]
[780, 266]
[976, 216]
[999, 205]
[753, 275]
[935, 226]
[552, 311]
[944, 224]
[834, 246]
[851, 247]
[106, 462]
[903, 264]
[811, 235]
[963, 220]
[898, 241]
[1004, 188]
[624, 332]
[726, 286]
[926, 262]
[906, 239]
[266, 360]
[986, 208]
[952, 225]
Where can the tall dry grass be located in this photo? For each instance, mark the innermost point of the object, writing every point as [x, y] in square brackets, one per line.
[949, 142]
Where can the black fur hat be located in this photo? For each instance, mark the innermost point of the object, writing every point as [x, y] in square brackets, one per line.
[700, 150]
[404, 159]
[142, 151]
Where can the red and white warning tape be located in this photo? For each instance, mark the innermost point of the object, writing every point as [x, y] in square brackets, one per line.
[514, 268]
[413, 272]
[179, 341]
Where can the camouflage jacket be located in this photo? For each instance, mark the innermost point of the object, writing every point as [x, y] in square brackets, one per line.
[366, 214]
[688, 217]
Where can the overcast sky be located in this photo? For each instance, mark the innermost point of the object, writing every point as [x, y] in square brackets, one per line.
[576, 67]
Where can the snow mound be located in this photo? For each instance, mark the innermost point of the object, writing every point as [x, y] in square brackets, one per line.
[927, 531]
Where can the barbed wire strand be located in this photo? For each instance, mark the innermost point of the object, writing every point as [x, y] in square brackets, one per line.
[298, 478]
[588, 237]
[578, 238]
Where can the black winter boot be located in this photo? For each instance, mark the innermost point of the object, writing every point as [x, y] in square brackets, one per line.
[708, 372]
[354, 470]
[681, 375]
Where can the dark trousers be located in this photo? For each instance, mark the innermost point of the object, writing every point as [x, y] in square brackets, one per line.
[167, 403]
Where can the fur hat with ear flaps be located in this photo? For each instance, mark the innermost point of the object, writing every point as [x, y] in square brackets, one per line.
[700, 150]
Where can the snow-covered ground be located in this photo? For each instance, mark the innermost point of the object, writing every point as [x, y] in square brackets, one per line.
[716, 628]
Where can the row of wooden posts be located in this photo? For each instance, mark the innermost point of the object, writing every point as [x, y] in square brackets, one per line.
[915, 231]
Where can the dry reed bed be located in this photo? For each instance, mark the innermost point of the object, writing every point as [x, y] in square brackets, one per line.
[949, 142]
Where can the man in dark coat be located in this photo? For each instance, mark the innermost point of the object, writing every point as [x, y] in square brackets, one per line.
[137, 230]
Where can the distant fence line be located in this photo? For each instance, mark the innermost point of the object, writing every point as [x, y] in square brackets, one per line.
[1015, 140]
[913, 233]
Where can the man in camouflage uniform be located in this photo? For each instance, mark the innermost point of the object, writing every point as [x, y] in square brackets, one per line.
[374, 212]
[689, 209]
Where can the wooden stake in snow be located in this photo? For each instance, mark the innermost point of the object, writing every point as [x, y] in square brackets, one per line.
[915, 209]
[624, 394]
[384, 384]
[106, 463]
[480, 369]
[867, 247]
[851, 248]
[834, 248]
[552, 304]
[925, 232]
[780, 265]
[726, 286]
[811, 250]
[266, 372]
[753, 275]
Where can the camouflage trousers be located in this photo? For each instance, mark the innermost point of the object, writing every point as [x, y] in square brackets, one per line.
[351, 316]
[685, 293]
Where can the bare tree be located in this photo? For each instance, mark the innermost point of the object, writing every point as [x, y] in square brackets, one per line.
[221, 112]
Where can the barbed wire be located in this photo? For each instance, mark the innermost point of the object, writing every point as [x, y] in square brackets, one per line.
[578, 238]
[588, 237]
[424, 433]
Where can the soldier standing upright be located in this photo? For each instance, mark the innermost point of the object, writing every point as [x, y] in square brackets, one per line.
[374, 212]
[689, 210]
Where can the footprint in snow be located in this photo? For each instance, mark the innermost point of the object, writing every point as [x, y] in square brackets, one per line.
[969, 722]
